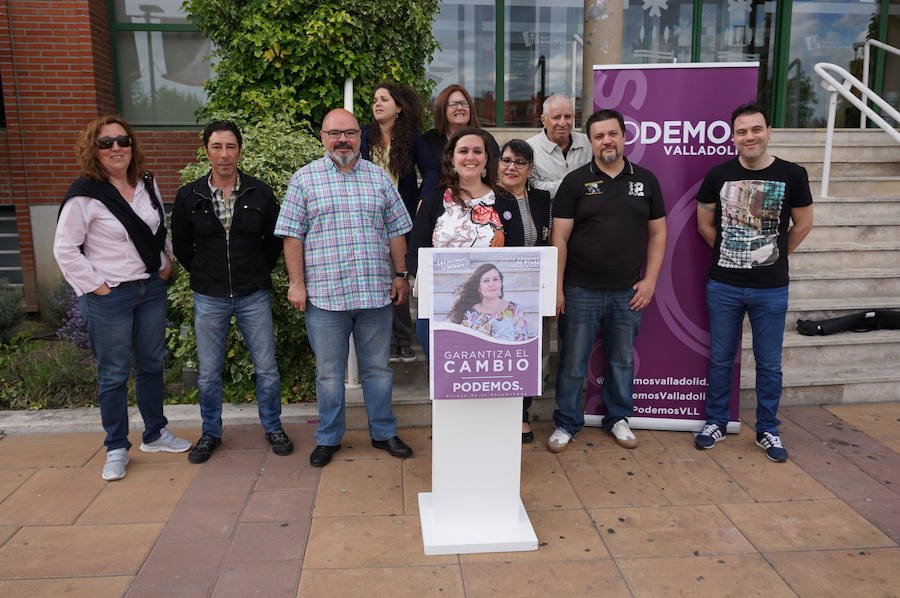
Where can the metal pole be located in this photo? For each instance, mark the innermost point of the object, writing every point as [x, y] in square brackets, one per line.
[348, 94]
[829, 139]
[865, 82]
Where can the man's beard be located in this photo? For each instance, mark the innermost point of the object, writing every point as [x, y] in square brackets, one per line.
[607, 159]
[342, 160]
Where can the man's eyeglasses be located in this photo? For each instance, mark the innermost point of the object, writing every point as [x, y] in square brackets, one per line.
[507, 162]
[107, 142]
[458, 103]
[348, 133]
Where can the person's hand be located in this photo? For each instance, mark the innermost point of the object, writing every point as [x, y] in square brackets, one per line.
[643, 293]
[297, 295]
[103, 289]
[166, 270]
[560, 302]
[399, 290]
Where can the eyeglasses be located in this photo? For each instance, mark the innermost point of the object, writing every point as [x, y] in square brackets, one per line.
[507, 162]
[348, 133]
[458, 103]
[107, 142]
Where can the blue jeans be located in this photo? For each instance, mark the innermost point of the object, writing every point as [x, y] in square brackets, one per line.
[127, 328]
[329, 336]
[587, 312]
[767, 309]
[212, 319]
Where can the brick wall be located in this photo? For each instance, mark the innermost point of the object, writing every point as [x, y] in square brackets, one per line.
[57, 75]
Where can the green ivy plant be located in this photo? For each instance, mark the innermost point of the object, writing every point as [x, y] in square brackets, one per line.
[273, 149]
[291, 57]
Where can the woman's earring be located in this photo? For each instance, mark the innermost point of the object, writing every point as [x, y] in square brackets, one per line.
[483, 172]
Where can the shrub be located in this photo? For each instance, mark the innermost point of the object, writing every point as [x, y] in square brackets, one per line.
[12, 312]
[274, 149]
[72, 326]
[46, 375]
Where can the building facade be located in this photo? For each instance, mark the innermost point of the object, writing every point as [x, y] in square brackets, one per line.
[64, 62]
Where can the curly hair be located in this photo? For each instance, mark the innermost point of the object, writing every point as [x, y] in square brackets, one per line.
[440, 109]
[450, 178]
[86, 149]
[409, 119]
[469, 293]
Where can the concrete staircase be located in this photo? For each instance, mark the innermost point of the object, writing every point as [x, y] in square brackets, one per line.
[850, 262]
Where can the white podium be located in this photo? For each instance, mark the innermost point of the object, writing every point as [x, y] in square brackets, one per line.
[475, 503]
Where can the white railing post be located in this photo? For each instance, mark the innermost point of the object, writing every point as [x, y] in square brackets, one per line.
[352, 362]
[829, 140]
[865, 82]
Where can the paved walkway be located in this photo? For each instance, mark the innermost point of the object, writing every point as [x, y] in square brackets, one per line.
[661, 520]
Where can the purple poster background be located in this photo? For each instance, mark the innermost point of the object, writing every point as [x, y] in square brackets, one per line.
[677, 125]
[470, 365]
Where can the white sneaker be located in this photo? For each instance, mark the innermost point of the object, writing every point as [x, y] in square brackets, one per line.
[166, 443]
[623, 434]
[558, 441]
[114, 468]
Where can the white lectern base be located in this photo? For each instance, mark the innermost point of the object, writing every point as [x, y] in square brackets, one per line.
[461, 539]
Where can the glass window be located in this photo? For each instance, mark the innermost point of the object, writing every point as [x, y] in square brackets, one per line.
[544, 56]
[657, 31]
[466, 30]
[162, 63]
[891, 85]
[740, 32]
[824, 31]
[10, 262]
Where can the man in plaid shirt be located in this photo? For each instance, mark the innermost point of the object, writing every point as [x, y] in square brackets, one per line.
[343, 223]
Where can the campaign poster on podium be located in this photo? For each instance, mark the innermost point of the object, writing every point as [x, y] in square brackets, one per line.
[486, 323]
[678, 125]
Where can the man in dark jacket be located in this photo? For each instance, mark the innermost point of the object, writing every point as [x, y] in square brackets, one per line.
[222, 228]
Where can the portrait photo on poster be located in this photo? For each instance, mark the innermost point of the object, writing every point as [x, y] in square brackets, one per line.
[486, 323]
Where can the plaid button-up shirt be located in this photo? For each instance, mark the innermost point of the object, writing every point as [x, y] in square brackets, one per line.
[345, 221]
[223, 206]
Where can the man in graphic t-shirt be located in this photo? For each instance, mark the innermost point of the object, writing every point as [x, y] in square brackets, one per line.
[753, 211]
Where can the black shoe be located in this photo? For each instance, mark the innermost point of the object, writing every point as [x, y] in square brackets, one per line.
[281, 444]
[204, 448]
[527, 437]
[407, 355]
[321, 455]
[394, 446]
[395, 355]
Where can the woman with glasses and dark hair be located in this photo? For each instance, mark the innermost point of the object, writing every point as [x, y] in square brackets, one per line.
[533, 205]
[453, 110]
[111, 247]
[393, 142]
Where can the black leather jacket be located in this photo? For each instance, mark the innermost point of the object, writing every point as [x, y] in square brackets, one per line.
[235, 263]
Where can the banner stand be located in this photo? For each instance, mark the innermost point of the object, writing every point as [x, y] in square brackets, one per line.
[655, 423]
[474, 505]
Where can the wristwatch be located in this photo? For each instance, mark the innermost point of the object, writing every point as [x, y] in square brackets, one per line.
[404, 275]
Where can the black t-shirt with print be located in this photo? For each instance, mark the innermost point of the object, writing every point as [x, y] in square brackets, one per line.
[608, 245]
[753, 213]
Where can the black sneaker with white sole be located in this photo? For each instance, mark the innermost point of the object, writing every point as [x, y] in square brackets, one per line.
[771, 443]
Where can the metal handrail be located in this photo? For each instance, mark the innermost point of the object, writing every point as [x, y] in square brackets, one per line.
[865, 74]
[834, 88]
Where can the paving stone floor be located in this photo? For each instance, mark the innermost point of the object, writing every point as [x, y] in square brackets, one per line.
[661, 520]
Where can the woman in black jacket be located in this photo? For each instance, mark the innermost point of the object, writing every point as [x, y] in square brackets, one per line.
[533, 205]
[393, 142]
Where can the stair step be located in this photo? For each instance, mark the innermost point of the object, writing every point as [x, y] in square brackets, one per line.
[831, 385]
[818, 255]
[811, 154]
[863, 348]
[870, 186]
[856, 229]
[861, 167]
[835, 208]
[845, 282]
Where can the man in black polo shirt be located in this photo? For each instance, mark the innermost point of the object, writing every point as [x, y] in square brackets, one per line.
[608, 220]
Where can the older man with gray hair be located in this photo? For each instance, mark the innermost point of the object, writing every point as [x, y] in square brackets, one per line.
[558, 150]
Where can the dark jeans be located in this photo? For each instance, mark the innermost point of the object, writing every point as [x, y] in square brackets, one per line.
[401, 332]
[127, 329]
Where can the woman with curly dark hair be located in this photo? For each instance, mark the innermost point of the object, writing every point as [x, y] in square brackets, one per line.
[453, 110]
[393, 142]
[480, 306]
[111, 247]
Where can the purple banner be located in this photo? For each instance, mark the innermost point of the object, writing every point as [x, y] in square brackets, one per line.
[677, 120]
[468, 365]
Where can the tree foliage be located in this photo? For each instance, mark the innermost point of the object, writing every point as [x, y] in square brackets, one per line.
[292, 56]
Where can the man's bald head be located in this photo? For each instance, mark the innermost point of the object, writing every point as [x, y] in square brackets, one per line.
[340, 136]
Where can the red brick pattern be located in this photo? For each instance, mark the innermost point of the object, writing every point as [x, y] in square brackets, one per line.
[57, 74]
